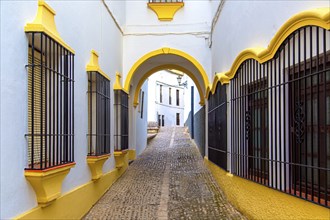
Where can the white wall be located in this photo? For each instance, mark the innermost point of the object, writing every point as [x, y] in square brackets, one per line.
[188, 32]
[246, 24]
[142, 123]
[84, 26]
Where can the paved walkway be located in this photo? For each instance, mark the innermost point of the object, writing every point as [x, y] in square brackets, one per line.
[168, 181]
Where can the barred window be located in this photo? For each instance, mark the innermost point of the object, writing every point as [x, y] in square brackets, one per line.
[217, 127]
[165, 1]
[177, 97]
[50, 103]
[281, 119]
[170, 96]
[98, 114]
[160, 93]
[121, 117]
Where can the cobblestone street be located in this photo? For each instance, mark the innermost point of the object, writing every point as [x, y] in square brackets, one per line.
[167, 181]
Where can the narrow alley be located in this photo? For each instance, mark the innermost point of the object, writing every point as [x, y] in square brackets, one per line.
[168, 181]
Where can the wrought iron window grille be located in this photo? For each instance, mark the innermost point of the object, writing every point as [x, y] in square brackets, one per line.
[99, 112]
[121, 123]
[50, 72]
[280, 129]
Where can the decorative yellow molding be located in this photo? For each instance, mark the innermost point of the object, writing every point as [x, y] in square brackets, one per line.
[93, 65]
[45, 22]
[172, 51]
[317, 17]
[165, 11]
[131, 154]
[165, 67]
[71, 205]
[162, 51]
[117, 85]
[48, 183]
[121, 158]
[95, 164]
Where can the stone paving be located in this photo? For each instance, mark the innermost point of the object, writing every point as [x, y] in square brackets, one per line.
[167, 181]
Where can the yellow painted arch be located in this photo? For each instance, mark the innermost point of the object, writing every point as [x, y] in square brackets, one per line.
[164, 51]
[317, 17]
[164, 67]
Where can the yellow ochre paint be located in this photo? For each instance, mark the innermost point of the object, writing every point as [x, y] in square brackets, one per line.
[76, 203]
[317, 17]
[256, 201]
[165, 11]
[45, 22]
[93, 65]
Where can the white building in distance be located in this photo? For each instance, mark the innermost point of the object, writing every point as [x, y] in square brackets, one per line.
[166, 101]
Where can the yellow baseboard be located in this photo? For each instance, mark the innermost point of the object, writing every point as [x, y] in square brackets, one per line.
[76, 203]
[259, 202]
[131, 154]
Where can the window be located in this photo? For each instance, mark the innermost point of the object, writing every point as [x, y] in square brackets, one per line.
[121, 117]
[281, 120]
[169, 96]
[257, 130]
[160, 93]
[142, 103]
[217, 127]
[177, 97]
[163, 121]
[98, 114]
[50, 103]
[178, 119]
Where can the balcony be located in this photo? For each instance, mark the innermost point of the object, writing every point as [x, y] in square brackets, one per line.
[165, 9]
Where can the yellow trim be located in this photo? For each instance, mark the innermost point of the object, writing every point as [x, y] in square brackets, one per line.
[171, 51]
[121, 158]
[93, 65]
[317, 17]
[131, 154]
[47, 184]
[95, 164]
[117, 85]
[71, 205]
[165, 67]
[45, 22]
[165, 11]
[260, 202]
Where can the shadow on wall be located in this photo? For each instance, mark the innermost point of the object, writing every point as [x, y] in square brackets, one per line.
[199, 129]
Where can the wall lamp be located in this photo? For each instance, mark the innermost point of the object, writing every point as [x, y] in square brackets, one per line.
[185, 84]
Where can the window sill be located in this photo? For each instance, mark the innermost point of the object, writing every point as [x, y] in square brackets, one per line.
[47, 183]
[165, 11]
[121, 158]
[95, 164]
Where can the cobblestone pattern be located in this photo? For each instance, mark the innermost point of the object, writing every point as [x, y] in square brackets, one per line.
[193, 193]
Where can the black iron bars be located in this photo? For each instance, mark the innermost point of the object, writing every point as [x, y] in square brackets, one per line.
[50, 103]
[98, 114]
[281, 120]
[121, 120]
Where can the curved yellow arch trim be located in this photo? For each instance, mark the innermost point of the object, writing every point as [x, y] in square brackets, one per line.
[317, 17]
[161, 51]
[164, 67]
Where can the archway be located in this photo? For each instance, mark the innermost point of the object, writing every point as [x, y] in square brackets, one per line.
[161, 59]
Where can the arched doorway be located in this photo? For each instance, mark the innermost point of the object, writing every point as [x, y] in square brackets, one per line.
[152, 62]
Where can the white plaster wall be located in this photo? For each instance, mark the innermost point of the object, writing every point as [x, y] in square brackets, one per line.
[246, 24]
[142, 123]
[84, 26]
[188, 32]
